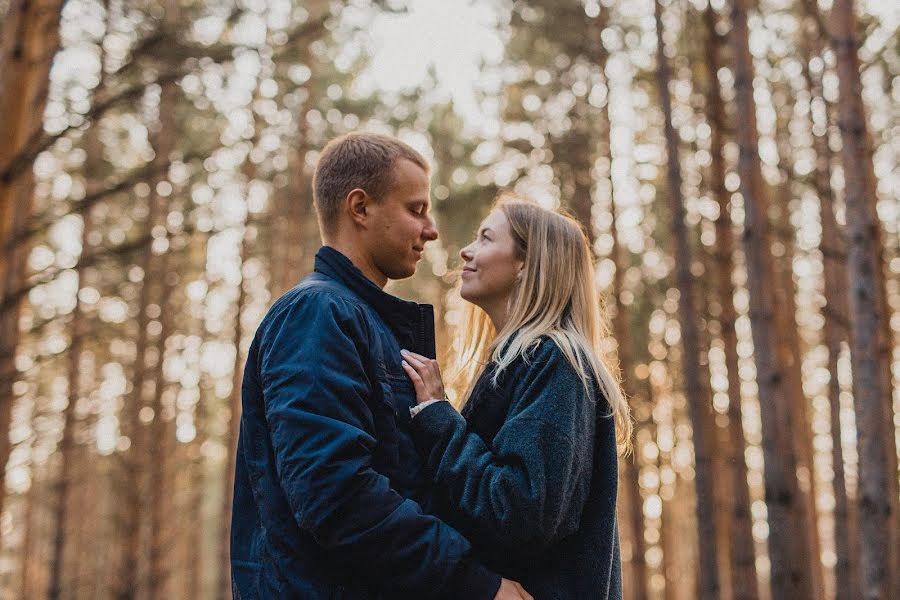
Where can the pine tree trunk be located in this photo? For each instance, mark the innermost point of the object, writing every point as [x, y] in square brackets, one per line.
[135, 484]
[789, 577]
[834, 254]
[866, 311]
[695, 391]
[78, 331]
[630, 471]
[159, 460]
[30, 38]
[791, 355]
[235, 406]
[743, 561]
[161, 434]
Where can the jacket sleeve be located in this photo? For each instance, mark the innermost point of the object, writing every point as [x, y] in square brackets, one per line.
[317, 395]
[526, 490]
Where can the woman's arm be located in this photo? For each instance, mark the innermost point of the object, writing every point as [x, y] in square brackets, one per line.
[527, 489]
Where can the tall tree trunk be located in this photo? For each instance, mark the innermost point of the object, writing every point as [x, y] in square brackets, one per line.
[160, 457]
[698, 400]
[161, 435]
[630, 470]
[743, 561]
[138, 459]
[93, 157]
[67, 444]
[633, 527]
[790, 352]
[234, 415]
[834, 257]
[194, 555]
[789, 577]
[866, 311]
[294, 205]
[28, 45]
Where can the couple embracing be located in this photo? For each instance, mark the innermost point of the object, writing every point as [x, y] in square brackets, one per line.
[357, 479]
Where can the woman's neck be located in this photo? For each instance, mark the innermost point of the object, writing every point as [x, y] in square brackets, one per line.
[498, 313]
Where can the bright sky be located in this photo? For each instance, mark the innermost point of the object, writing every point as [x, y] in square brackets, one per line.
[450, 36]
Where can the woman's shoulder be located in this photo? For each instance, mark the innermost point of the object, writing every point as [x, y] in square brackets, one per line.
[547, 351]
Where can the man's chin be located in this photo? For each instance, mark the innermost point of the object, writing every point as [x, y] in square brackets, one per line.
[402, 272]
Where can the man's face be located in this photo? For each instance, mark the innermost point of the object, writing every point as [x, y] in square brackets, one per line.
[400, 222]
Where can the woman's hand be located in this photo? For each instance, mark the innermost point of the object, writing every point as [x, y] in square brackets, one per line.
[425, 375]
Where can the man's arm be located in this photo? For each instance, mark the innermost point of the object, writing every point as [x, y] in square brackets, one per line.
[317, 392]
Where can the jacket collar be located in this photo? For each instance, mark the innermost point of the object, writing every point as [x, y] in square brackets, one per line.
[411, 323]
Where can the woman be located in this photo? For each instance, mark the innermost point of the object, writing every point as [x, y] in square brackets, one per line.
[528, 471]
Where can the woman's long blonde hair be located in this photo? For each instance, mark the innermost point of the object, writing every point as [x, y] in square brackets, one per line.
[556, 297]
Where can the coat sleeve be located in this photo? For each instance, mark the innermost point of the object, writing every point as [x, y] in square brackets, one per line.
[526, 490]
[317, 395]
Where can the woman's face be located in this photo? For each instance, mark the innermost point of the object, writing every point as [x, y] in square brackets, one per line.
[491, 266]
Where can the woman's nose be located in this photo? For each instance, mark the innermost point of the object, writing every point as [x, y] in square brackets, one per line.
[465, 253]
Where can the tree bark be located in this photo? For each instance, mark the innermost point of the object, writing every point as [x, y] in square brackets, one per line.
[139, 462]
[93, 157]
[630, 471]
[235, 406]
[789, 578]
[866, 311]
[29, 43]
[834, 253]
[163, 282]
[743, 560]
[698, 400]
[790, 352]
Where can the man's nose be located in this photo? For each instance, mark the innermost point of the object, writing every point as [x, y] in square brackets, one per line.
[430, 233]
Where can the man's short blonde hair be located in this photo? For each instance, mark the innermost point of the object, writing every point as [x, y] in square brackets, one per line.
[356, 160]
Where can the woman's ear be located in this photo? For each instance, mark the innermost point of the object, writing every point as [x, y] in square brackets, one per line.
[357, 203]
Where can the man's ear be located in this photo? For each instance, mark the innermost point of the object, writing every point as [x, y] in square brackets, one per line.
[357, 203]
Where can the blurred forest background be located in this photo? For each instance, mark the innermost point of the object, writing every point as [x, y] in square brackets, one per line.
[735, 164]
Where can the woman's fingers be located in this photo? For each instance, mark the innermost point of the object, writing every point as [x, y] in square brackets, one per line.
[422, 363]
[416, 360]
[418, 384]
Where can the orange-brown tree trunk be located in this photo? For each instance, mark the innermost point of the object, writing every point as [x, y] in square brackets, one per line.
[791, 354]
[871, 388]
[630, 470]
[234, 415]
[834, 257]
[28, 45]
[789, 577]
[698, 399]
[744, 585]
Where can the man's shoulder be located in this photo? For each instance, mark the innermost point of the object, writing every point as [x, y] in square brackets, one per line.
[318, 291]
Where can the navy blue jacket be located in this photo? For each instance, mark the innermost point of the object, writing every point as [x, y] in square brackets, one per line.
[528, 473]
[330, 496]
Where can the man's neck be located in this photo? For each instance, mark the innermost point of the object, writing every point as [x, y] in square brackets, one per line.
[360, 260]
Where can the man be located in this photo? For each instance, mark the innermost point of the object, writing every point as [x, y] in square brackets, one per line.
[330, 500]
